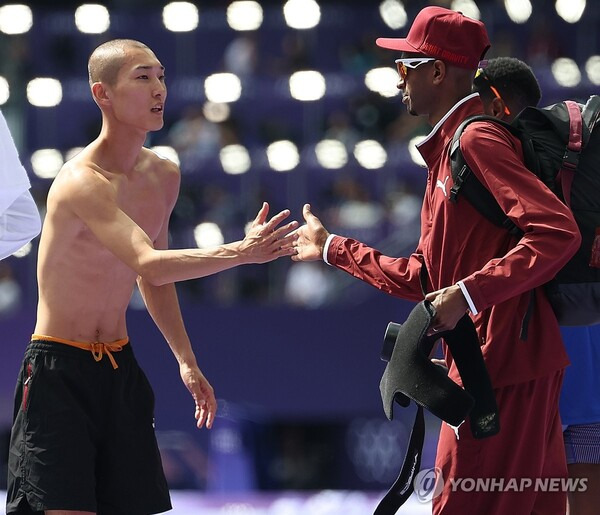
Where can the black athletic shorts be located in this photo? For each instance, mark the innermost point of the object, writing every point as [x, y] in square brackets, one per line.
[83, 435]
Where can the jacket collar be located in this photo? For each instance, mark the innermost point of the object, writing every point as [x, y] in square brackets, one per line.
[443, 132]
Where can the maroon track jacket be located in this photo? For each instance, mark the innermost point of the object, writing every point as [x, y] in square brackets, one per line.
[497, 271]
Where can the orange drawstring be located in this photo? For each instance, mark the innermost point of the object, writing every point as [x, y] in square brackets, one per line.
[98, 349]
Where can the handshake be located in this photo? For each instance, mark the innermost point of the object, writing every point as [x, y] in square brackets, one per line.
[268, 240]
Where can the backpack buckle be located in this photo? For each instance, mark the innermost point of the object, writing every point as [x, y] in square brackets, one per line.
[571, 158]
[460, 178]
[453, 194]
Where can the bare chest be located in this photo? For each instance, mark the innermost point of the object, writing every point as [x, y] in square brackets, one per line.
[144, 201]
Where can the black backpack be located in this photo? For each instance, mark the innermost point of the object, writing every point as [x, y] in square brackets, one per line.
[561, 145]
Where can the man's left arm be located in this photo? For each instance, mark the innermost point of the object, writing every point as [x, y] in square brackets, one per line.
[550, 236]
[163, 306]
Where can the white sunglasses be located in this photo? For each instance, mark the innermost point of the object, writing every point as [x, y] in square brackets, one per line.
[407, 63]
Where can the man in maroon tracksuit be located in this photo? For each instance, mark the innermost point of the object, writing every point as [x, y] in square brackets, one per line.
[474, 266]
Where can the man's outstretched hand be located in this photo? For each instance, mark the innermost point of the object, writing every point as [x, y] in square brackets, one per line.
[265, 241]
[311, 237]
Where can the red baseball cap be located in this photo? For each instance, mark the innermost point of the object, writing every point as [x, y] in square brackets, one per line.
[444, 34]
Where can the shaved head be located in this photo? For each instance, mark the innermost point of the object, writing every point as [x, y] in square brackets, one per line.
[107, 59]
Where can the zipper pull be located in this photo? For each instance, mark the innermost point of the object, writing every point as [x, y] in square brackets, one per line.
[26, 386]
[29, 373]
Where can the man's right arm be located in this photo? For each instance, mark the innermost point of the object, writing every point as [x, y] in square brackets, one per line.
[400, 277]
[92, 199]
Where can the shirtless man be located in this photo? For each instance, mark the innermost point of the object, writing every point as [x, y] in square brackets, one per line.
[83, 438]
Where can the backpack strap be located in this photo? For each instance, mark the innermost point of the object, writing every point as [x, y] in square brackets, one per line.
[591, 112]
[566, 174]
[579, 118]
[468, 184]
[479, 196]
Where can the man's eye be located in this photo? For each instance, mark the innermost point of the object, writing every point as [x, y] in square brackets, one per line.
[143, 77]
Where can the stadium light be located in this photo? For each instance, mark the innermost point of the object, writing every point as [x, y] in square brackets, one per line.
[223, 87]
[235, 159]
[307, 85]
[244, 15]
[180, 16]
[25, 250]
[393, 14]
[44, 92]
[415, 155]
[302, 14]
[467, 7]
[46, 162]
[283, 156]
[15, 19]
[4, 91]
[208, 234]
[383, 81]
[592, 68]
[566, 72]
[167, 152]
[331, 154]
[519, 11]
[216, 112]
[570, 10]
[71, 153]
[370, 154]
[92, 19]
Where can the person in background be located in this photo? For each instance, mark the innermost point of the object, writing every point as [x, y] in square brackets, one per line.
[473, 266]
[506, 87]
[19, 215]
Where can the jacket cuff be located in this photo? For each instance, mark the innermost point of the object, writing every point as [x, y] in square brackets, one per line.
[468, 298]
[326, 249]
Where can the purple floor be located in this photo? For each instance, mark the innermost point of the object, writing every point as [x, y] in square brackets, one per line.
[290, 503]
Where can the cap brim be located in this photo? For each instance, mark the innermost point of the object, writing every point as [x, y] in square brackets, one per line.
[399, 44]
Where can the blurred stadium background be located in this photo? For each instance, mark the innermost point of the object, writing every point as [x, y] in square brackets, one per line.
[289, 102]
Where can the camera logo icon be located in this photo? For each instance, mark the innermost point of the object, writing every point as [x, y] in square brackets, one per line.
[428, 484]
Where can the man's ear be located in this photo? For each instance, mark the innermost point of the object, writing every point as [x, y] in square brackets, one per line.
[100, 94]
[498, 107]
[439, 71]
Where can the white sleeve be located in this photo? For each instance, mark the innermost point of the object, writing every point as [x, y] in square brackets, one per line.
[19, 224]
[13, 177]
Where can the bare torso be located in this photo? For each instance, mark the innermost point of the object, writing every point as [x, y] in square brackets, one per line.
[84, 289]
